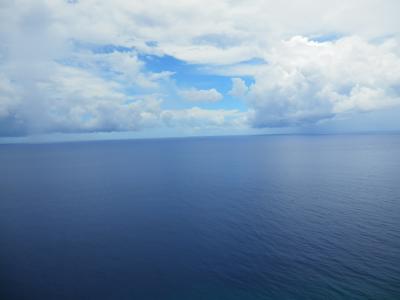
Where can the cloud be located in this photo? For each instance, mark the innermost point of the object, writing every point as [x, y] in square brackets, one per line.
[78, 66]
[83, 102]
[195, 95]
[196, 117]
[74, 100]
[52, 82]
[124, 67]
[9, 99]
[239, 87]
[305, 81]
[226, 32]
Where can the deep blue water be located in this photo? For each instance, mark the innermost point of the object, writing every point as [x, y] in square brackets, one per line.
[264, 217]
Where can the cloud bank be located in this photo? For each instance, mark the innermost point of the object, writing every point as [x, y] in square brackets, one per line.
[90, 66]
[307, 81]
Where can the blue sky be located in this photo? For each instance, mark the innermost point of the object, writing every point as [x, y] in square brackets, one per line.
[94, 69]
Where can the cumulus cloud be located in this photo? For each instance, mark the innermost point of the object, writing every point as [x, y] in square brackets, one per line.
[50, 81]
[307, 81]
[239, 87]
[195, 95]
[73, 66]
[73, 100]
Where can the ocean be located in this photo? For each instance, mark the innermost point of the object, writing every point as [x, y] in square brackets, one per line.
[251, 217]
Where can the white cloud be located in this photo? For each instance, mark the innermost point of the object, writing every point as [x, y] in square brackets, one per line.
[124, 67]
[306, 81]
[205, 31]
[222, 32]
[239, 87]
[48, 83]
[196, 117]
[77, 100]
[195, 95]
[74, 100]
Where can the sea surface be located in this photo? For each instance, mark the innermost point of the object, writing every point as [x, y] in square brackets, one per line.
[257, 217]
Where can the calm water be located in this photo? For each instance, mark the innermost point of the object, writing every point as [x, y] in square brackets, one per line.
[278, 217]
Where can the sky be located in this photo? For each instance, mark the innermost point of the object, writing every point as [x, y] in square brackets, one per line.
[90, 69]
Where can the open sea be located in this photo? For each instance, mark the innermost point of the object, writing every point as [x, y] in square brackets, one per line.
[257, 217]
